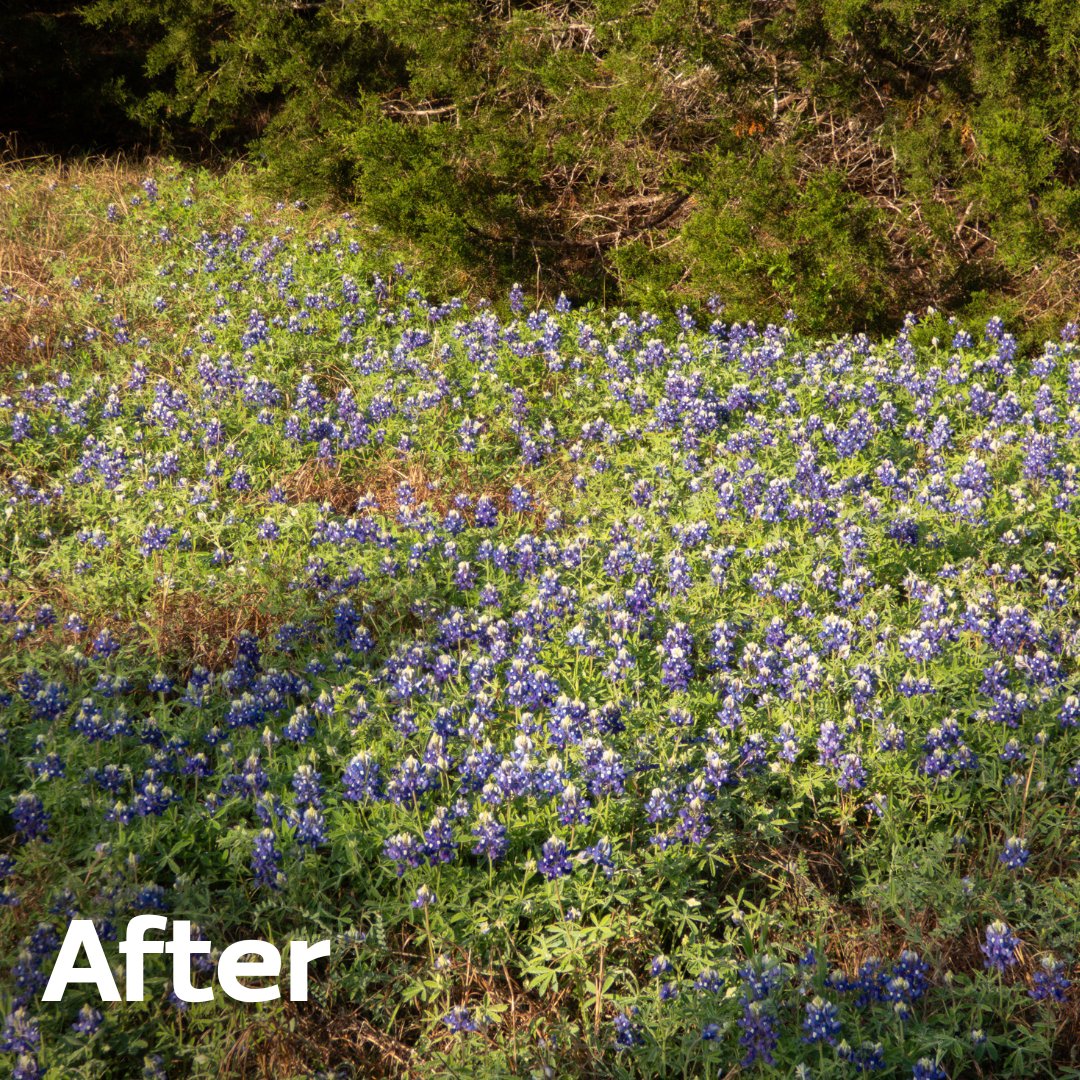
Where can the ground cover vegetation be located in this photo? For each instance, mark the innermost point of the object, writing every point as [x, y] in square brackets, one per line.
[621, 694]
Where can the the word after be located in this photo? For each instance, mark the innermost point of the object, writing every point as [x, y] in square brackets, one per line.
[232, 967]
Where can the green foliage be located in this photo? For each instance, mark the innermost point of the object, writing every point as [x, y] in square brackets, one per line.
[868, 157]
[776, 242]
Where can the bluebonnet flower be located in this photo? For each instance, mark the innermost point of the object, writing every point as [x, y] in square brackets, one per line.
[20, 1034]
[520, 500]
[1015, 854]
[159, 684]
[601, 855]
[460, 1020]
[605, 771]
[311, 828]
[760, 1034]
[829, 743]
[405, 850]
[492, 842]
[659, 805]
[20, 427]
[627, 1032]
[486, 512]
[425, 897]
[675, 652]
[8, 898]
[299, 728]
[1049, 981]
[27, 1068]
[89, 1020]
[266, 861]
[105, 644]
[307, 786]
[1069, 716]
[866, 1057]
[910, 977]
[361, 780]
[786, 739]
[660, 966]
[852, 774]
[928, 1069]
[155, 538]
[822, 1021]
[30, 818]
[574, 808]
[150, 898]
[439, 845]
[554, 859]
[1000, 946]
[48, 768]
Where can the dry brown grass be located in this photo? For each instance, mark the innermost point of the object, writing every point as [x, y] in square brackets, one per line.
[26, 596]
[317, 481]
[190, 628]
[808, 882]
[1067, 1035]
[857, 935]
[180, 629]
[308, 1036]
[40, 232]
[331, 1030]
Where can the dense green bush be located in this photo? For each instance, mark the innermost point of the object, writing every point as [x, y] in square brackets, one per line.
[851, 158]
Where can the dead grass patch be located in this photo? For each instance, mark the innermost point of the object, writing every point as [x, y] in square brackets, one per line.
[38, 231]
[307, 1037]
[321, 482]
[1067, 1035]
[1050, 291]
[856, 937]
[190, 628]
[331, 1031]
[181, 629]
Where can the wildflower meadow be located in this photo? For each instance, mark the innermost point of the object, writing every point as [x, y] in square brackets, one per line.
[619, 694]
